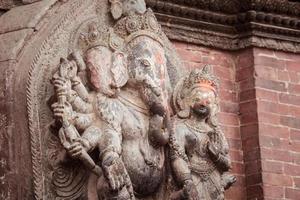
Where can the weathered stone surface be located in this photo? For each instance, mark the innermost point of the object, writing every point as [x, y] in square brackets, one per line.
[26, 16]
[12, 42]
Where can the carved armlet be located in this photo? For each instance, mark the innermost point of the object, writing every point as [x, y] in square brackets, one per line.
[176, 151]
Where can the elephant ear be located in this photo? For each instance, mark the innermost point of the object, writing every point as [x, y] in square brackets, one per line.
[116, 9]
[119, 69]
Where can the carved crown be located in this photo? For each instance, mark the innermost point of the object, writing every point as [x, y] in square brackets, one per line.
[100, 36]
[94, 36]
[202, 78]
[135, 23]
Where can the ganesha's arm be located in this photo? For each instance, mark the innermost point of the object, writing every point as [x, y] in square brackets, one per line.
[81, 90]
[112, 163]
[110, 143]
[79, 105]
[79, 97]
[82, 121]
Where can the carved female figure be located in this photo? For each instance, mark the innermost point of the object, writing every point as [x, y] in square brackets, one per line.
[199, 151]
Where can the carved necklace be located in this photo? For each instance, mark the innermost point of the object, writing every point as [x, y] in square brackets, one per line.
[135, 106]
[195, 127]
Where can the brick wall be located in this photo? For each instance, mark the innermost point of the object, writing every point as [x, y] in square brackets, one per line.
[260, 116]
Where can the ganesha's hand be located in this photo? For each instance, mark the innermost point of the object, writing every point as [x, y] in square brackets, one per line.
[78, 148]
[62, 87]
[62, 111]
[115, 171]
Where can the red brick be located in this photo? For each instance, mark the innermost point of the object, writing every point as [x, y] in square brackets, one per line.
[251, 155]
[294, 111]
[267, 95]
[275, 154]
[273, 191]
[235, 193]
[290, 122]
[228, 119]
[297, 182]
[264, 106]
[247, 84]
[271, 85]
[295, 157]
[287, 56]
[293, 66]
[245, 59]
[273, 142]
[253, 167]
[250, 106]
[247, 95]
[293, 170]
[294, 77]
[274, 130]
[227, 85]
[268, 118]
[272, 166]
[265, 72]
[289, 99]
[237, 167]
[248, 131]
[244, 73]
[250, 143]
[295, 134]
[269, 61]
[228, 95]
[283, 75]
[218, 59]
[294, 146]
[191, 56]
[249, 118]
[235, 144]
[291, 193]
[229, 107]
[255, 192]
[294, 88]
[224, 73]
[253, 179]
[232, 132]
[277, 179]
[236, 155]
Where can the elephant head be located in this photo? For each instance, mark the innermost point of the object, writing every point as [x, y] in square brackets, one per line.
[126, 7]
[147, 70]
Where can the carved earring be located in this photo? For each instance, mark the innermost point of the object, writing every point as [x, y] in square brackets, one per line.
[116, 9]
[184, 114]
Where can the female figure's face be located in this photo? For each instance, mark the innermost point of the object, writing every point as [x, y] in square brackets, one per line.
[201, 102]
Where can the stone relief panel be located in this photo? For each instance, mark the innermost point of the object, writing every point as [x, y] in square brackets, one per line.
[110, 117]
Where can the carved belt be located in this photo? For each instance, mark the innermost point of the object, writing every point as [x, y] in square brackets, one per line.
[203, 170]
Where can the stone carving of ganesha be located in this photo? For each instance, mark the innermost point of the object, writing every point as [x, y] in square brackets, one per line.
[118, 125]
